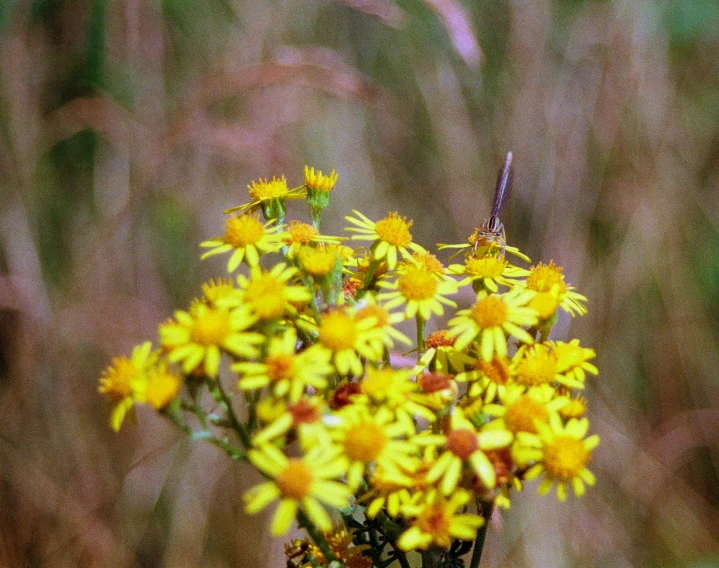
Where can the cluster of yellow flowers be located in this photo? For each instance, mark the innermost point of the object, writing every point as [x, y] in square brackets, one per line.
[291, 365]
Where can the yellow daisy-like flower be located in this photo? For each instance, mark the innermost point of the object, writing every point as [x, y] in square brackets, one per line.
[489, 378]
[215, 291]
[320, 261]
[464, 444]
[548, 278]
[387, 490]
[317, 181]
[301, 235]
[564, 456]
[266, 189]
[197, 337]
[161, 387]
[478, 245]
[248, 238]
[299, 483]
[521, 409]
[390, 237]
[423, 293]
[436, 522]
[538, 365]
[487, 272]
[303, 417]
[490, 318]
[269, 295]
[285, 371]
[396, 391]
[573, 362]
[347, 339]
[444, 357]
[369, 440]
[384, 321]
[123, 379]
[427, 261]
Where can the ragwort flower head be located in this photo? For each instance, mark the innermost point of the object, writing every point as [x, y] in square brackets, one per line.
[124, 379]
[420, 290]
[285, 371]
[491, 319]
[464, 444]
[390, 237]
[548, 279]
[564, 456]
[248, 238]
[573, 362]
[197, 337]
[436, 522]
[371, 439]
[347, 339]
[486, 272]
[299, 483]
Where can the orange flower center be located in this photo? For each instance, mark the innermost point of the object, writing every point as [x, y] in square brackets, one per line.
[439, 339]
[496, 370]
[211, 328]
[565, 457]
[522, 413]
[490, 311]
[433, 382]
[280, 366]
[243, 231]
[417, 284]
[394, 230]
[462, 443]
[295, 480]
[435, 521]
[428, 262]
[338, 331]
[302, 233]
[304, 412]
[364, 442]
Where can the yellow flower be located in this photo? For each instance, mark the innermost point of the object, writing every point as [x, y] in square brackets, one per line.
[486, 272]
[162, 387]
[564, 456]
[384, 321]
[464, 444]
[214, 291]
[301, 235]
[269, 294]
[436, 522]
[396, 391]
[547, 278]
[299, 483]
[320, 261]
[445, 357]
[124, 379]
[369, 440]
[490, 318]
[340, 542]
[390, 236]
[348, 339]
[197, 337]
[427, 261]
[420, 290]
[489, 378]
[285, 371]
[537, 365]
[264, 189]
[303, 417]
[573, 361]
[248, 238]
[521, 409]
[387, 490]
[317, 181]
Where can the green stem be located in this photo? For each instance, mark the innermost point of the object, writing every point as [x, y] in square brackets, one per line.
[304, 521]
[486, 511]
[236, 424]
[432, 558]
[421, 328]
[229, 449]
[400, 556]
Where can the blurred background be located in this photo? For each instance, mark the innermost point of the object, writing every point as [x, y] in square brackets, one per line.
[127, 126]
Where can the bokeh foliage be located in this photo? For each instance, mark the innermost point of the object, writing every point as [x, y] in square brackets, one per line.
[127, 126]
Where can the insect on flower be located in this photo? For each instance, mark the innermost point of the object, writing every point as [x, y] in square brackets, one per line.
[492, 231]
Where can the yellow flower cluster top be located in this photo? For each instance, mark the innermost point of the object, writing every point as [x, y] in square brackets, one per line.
[375, 443]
